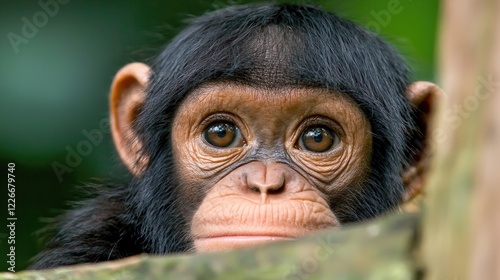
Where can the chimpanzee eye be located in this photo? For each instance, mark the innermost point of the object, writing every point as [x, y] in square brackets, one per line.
[223, 135]
[318, 139]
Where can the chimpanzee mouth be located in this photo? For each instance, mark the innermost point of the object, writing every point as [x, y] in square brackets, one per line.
[229, 242]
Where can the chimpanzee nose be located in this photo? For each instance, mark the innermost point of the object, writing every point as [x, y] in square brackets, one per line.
[266, 178]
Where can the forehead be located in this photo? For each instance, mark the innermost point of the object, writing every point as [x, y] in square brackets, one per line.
[219, 97]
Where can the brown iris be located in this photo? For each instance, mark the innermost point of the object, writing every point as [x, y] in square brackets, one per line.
[318, 139]
[222, 134]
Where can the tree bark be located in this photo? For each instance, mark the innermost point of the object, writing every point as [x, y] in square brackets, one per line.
[462, 221]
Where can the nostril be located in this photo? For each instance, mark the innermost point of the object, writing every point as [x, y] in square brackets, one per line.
[276, 190]
[254, 189]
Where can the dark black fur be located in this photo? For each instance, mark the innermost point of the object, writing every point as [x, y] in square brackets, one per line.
[265, 45]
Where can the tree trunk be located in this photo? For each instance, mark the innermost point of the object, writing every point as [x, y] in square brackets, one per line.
[462, 221]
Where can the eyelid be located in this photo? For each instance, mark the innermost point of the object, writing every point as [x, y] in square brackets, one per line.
[218, 117]
[322, 121]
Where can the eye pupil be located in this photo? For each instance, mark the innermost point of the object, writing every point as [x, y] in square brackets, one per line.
[221, 131]
[318, 136]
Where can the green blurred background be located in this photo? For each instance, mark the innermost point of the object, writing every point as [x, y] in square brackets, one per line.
[54, 87]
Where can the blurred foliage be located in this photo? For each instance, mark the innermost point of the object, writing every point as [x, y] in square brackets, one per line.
[55, 88]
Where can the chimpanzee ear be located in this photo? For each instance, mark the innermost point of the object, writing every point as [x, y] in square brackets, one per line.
[423, 96]
[126, 100]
